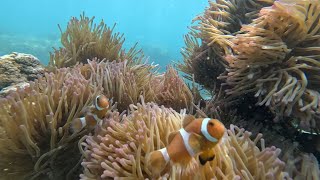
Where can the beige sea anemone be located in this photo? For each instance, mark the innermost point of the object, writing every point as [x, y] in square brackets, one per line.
[270, 52]
[35, 121]
[125, 83]
[119, 148]
[35, 140]
[83, 40]
[120, 145]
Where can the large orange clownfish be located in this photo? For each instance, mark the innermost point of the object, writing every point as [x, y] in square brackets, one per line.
[197, 137]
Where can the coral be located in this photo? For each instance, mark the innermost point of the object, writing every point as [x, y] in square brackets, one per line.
[17, 68]
[120, 146]
[83, 40]
[35, 141]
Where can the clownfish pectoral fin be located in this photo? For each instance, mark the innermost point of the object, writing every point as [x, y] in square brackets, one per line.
[171, 136]
[206, 156]
[187, 120]
[195, 141]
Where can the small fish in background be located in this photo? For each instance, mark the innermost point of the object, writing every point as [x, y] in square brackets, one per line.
[96, 113]
[197, 137]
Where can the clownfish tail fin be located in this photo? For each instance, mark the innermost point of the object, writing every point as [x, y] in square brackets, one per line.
[158, 160]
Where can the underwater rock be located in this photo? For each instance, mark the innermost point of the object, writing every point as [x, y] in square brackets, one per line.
[5, 91]
[17, 68]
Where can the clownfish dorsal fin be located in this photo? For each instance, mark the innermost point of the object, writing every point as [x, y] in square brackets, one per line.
[187, 120]
[195, 141]
[171, 136]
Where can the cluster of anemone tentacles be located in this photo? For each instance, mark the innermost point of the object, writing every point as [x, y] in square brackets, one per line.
[36, 137]
[269, 49]
[83, 39]
[119, 148]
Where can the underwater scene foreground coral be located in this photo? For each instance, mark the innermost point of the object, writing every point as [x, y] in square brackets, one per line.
[98, 111]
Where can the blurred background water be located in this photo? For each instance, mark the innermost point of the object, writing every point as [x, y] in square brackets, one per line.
[157, 25]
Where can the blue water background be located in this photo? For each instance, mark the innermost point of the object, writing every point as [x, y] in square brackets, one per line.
[157, 25]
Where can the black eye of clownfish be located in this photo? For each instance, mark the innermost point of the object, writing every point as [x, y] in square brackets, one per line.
[211, 124]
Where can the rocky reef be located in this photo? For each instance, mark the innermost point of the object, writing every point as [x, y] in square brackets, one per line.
[38, 141]
[16, 69]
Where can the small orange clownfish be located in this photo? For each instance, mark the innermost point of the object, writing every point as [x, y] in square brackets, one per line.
[96, 113]
[197, 137]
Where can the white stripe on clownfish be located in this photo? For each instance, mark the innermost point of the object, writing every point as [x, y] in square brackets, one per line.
[185, 137]
[83, 121]
[96, 117]
[165, 154]
[96, 104]
[204, 130]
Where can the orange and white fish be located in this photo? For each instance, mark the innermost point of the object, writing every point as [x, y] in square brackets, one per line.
[197, 137]
[96, 113]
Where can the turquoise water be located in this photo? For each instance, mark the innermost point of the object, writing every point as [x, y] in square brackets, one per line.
[157, 25]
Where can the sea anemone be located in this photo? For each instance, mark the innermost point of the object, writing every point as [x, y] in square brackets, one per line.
[125, 83]
[120, 146]
[200, 63]
[276, 57]
[83, 39]
[35, 121]
[35, 141]
[269, 52]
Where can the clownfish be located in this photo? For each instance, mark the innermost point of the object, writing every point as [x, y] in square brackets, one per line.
[197, 137]
[96, 113]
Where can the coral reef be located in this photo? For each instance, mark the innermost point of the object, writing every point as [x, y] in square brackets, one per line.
[244, 53]
[83, 40]
[17, 68]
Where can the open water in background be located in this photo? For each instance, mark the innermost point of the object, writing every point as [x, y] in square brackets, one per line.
[30, 26]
